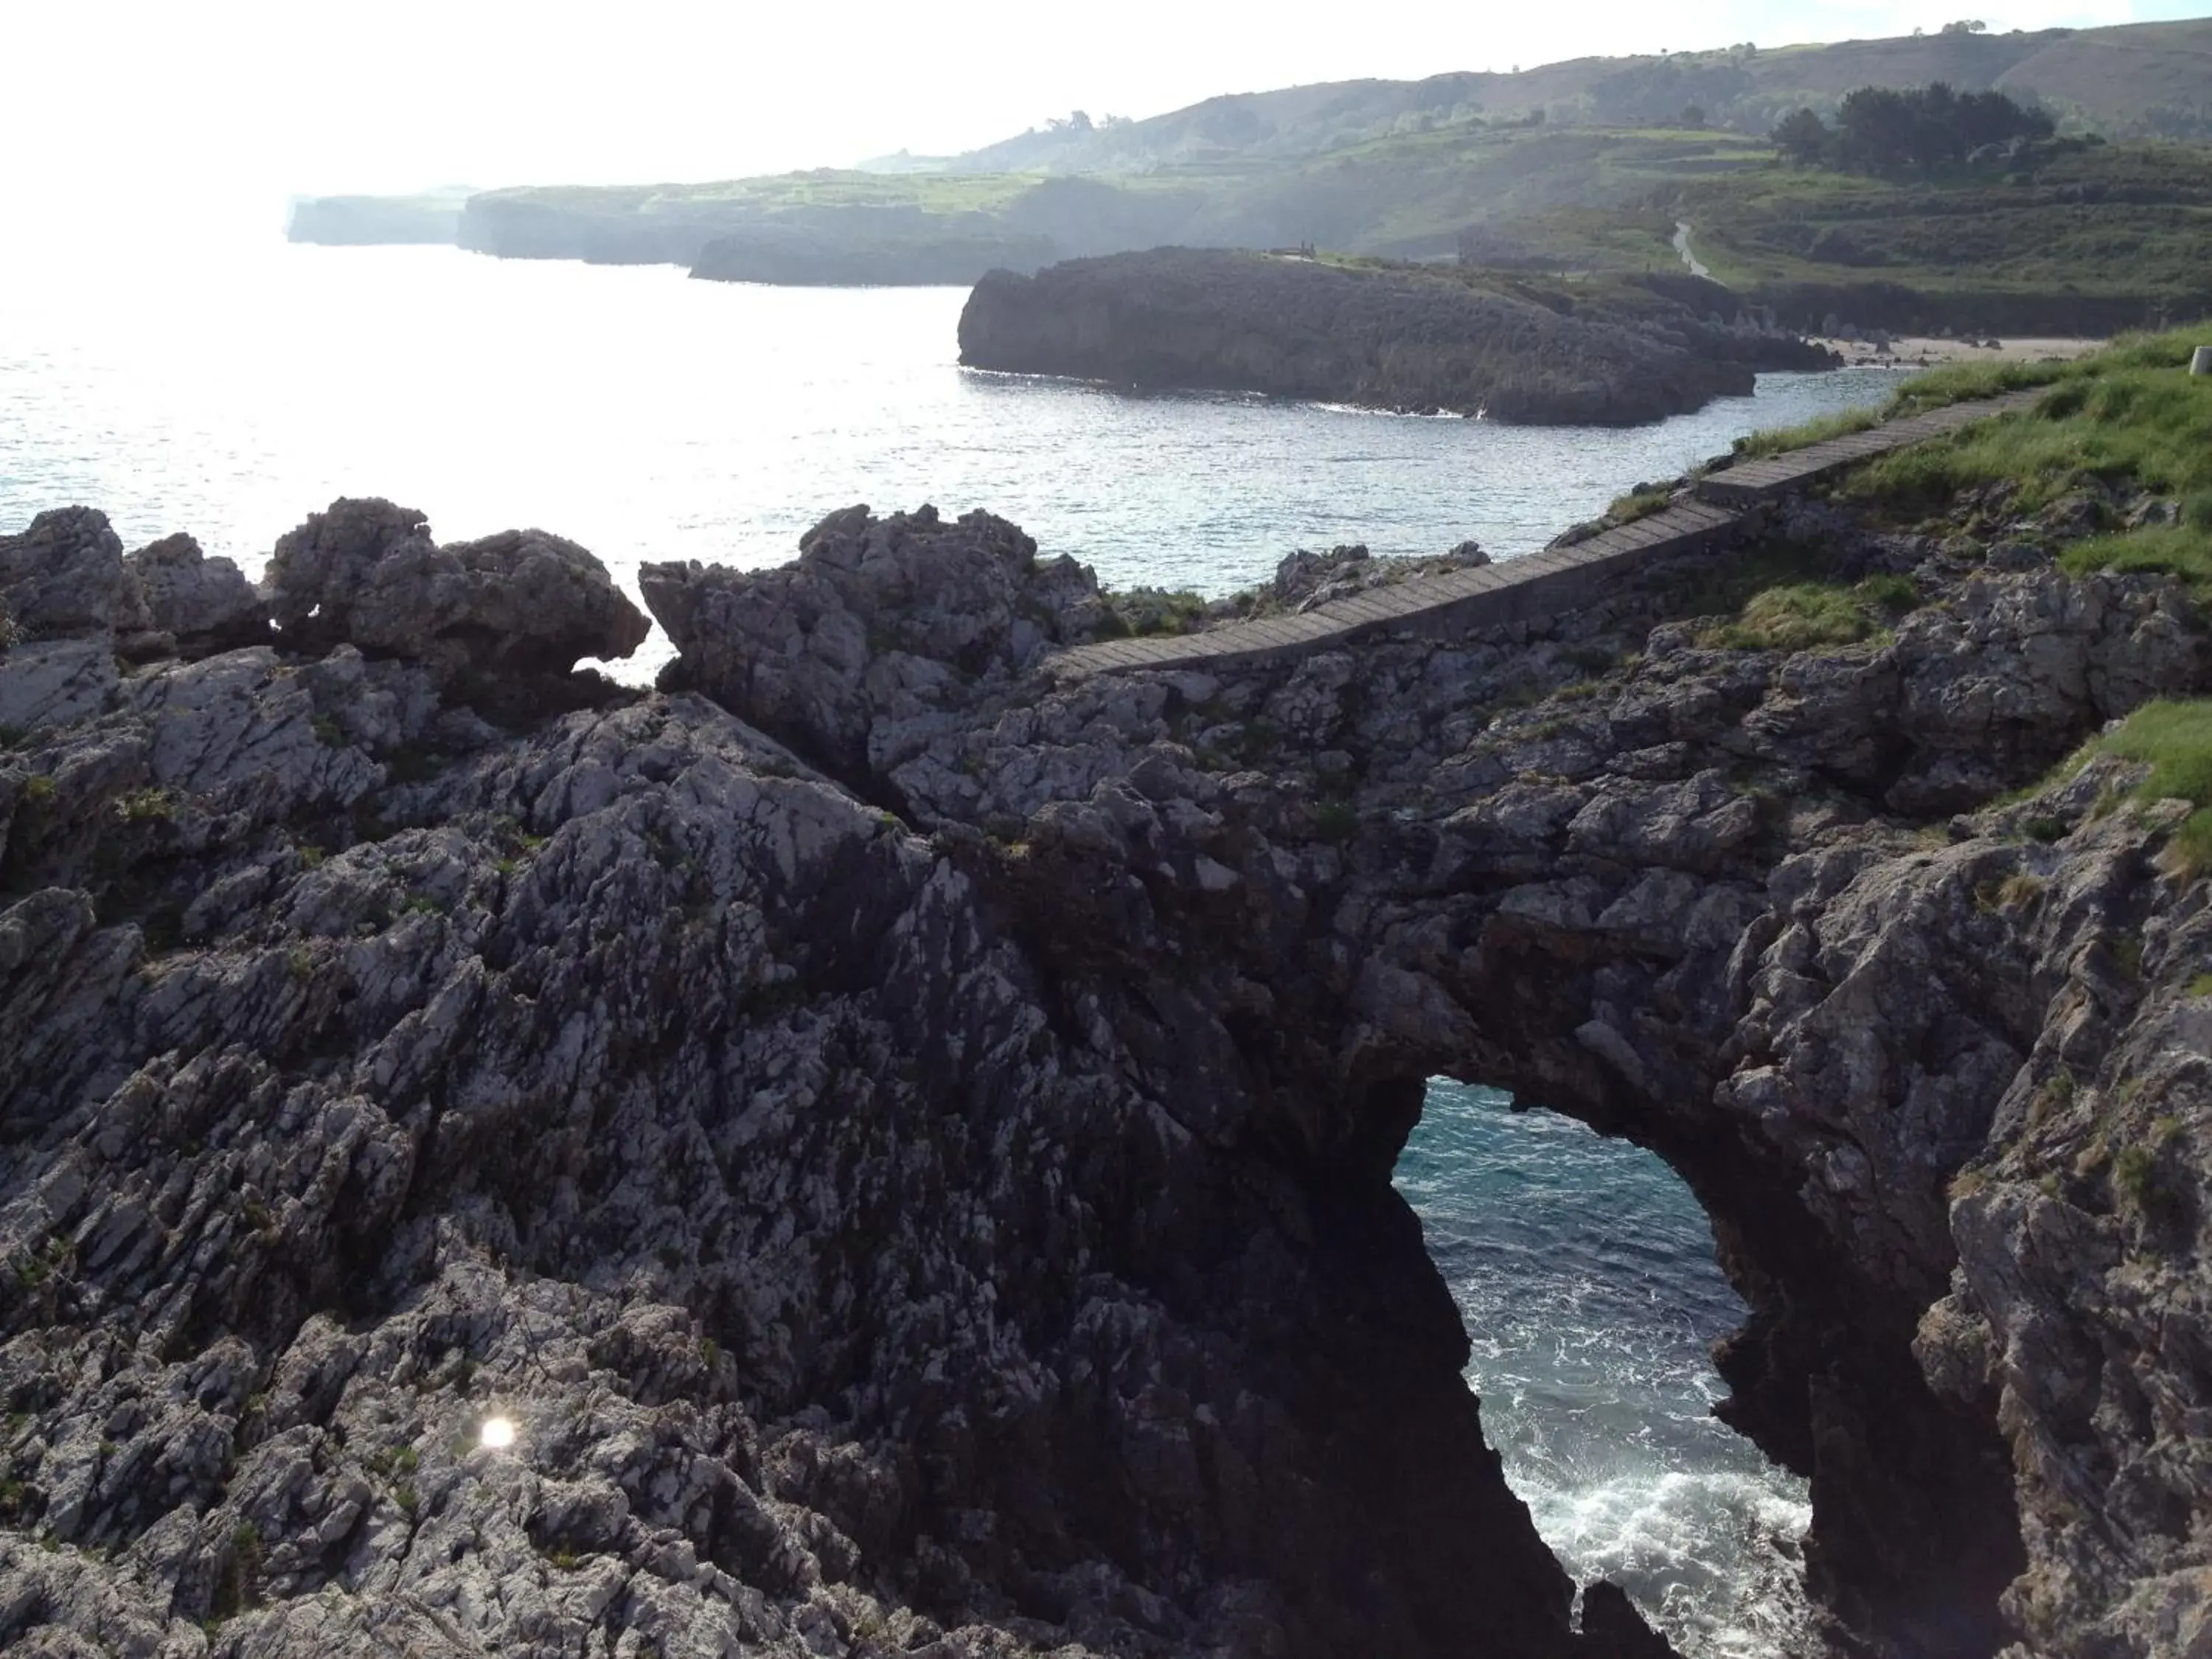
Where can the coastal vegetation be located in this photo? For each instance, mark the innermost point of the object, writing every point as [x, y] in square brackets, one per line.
[2058, 203]
[1890, 251]
[1801, 615]
[2126, 423]
[1777, 440]
[2064, 236]
[2140, 80]
[2130, 417]
[2174, 741]
[1883, 129]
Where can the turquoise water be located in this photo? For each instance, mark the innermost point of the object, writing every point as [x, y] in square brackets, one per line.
[229, 390]
[1584, 1270]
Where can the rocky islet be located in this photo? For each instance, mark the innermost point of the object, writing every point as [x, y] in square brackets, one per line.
[1424, 339]
[908, 1142]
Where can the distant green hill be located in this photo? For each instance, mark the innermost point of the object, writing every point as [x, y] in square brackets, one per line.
[1584, 167]
[2072, 236]
[2131, 80]
[2076, 238]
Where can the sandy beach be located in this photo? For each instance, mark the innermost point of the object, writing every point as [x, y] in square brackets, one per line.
[1920, 351]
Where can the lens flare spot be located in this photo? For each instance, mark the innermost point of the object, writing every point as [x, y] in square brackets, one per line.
[497, 1433]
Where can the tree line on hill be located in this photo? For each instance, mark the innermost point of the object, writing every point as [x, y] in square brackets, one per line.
[1882, 131]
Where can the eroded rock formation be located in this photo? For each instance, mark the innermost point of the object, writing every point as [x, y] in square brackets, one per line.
[1420, 338]
[909, 1141]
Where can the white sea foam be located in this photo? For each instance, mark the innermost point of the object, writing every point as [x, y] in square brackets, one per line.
[1584, 1270]
[651, 417]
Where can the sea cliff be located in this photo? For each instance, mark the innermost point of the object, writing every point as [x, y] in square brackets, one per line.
[1421, 339]
[434, 219]
[906, 1141]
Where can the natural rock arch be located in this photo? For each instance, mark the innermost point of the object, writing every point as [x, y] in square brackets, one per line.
[967, 1220]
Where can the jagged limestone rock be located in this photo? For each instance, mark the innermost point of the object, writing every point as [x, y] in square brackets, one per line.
[971, 1232]
[367, 573]
[204, 604]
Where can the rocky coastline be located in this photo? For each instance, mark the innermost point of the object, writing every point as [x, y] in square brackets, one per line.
[1417, 339]
[908, 1142]
[429, 220]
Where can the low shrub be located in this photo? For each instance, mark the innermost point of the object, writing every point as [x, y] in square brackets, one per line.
[1143, 611]
[1638, 504]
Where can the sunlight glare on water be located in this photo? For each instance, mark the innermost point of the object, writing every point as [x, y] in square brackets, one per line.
[228, 390]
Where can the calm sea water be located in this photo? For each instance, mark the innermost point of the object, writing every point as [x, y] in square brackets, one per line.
[228, 390]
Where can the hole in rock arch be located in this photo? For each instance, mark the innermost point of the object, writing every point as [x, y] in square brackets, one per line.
[1584, 1270]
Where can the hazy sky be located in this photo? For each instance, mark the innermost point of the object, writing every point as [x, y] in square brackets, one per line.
[240, 103]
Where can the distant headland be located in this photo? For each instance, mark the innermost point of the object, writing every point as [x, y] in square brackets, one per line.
[1590, 167]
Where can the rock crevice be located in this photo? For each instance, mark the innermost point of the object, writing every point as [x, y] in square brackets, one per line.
[965, 1228]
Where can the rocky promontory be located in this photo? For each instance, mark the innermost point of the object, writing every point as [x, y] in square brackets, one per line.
[433, 218]
[1422, 339]
[906, 1142]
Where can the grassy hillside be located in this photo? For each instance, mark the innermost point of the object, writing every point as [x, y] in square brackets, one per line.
[2138, 79]
[2132, 419]
[1408, 196]
[1585, 167]
[2075, 236]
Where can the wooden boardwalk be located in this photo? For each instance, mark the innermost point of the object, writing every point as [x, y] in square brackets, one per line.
[1541, 584]
[1752, 482]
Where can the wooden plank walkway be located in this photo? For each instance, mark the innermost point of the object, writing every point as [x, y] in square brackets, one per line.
[1521, 590]
[1753, 482]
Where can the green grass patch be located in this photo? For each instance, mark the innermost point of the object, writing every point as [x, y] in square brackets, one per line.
[1638, 504]
[2182, 550]
[1723, 589]
[1782, 440]
[1141, 612]
[2131, 415]
[2174, 739]
[1802, 615]
[1960, 383]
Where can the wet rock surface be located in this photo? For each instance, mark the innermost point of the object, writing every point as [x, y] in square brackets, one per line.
[907, 1144]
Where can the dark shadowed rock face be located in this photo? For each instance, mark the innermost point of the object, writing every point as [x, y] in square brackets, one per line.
[63, 577]
[1713, 899]
[373, 1071]
[1401, 337]
[200, 604]
[904, 612]
[971, 1232]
